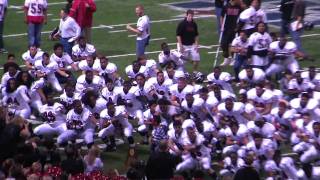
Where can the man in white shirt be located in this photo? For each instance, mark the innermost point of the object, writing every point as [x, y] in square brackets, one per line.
[142, 30]
[69, 31]
[170, 55]
[3, 11]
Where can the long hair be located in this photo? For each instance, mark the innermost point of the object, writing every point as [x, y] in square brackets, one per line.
[28, 83]
[8, 88]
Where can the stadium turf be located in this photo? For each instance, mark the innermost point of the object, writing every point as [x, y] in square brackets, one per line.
[112, 17]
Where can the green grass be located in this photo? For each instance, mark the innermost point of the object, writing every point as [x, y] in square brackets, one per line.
[110, 12]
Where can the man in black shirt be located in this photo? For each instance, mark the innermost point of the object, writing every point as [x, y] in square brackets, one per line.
[188, 41]
[232, 11]
[286, 8]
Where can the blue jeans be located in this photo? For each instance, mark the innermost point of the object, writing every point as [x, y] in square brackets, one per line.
[239, 62]
[34, 34]
[218, 15]
[296, 38]
[67, 46]
[1, 35]
[141, 46]
[285, 24]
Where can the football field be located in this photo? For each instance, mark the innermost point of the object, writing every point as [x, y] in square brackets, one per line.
[110, 38]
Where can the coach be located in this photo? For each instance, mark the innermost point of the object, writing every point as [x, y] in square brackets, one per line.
[188, 41]
[142, 30]
[69, 30]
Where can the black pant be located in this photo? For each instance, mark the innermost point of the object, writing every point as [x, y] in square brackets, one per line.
[227, 38]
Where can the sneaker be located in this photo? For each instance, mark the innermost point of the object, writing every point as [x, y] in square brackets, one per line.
[226, 62]
[4, 51]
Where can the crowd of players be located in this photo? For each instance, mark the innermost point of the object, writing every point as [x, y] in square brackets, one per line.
[229, 118]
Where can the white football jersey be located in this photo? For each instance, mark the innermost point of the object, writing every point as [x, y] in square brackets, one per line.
[6, 77]
[311, 107]
[237, 111]
[303, 86]
[36, 7]
[83, 52]
[248, 16]
[262, 100]
[96, 84]
[32, 59]
[174, 56]
[110, 68]
[267, 130]
[54, 111]
[182, 93]
[51, 68]
[109, 95]
[288, 50]
[315, 80]
[239, 135]
[62, 61]
[120, 115]
[84, 66]
[83, 117]
[153, 84]
[131, 74]
[196, 107]
[100, 105]
[238, 43]
[67, 100]
[258, 75]
[266, 146]
[260, 41]
[151, 67]
[129, 97]
[4, 5]
[18, 99]
[261, 16]
[222, 80]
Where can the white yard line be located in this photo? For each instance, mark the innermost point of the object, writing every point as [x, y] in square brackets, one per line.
[108, 26]
[56, 19]
[213, 52]
[157, 39]
[132, 35]
[117, 31]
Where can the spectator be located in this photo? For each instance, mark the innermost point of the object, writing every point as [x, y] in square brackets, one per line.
[82, 11]
[231, 12]
[69, 31]
[218, 6]
[73, 164]
[286, 8]
[142, 30]
[298, 14]
[68, 5]
[35, 17]
[247, 171]
[161, 164]
[188, 39]
[92, 160]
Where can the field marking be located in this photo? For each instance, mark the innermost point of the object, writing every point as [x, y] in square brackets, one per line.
[214, 52]
[109, 26]
[158, 39]
[56, 19]
[117, 31]
[132, 35]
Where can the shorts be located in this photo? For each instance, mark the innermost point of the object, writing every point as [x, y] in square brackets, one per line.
[190, 52]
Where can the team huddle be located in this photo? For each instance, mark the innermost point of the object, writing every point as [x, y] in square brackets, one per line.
[218, 115]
